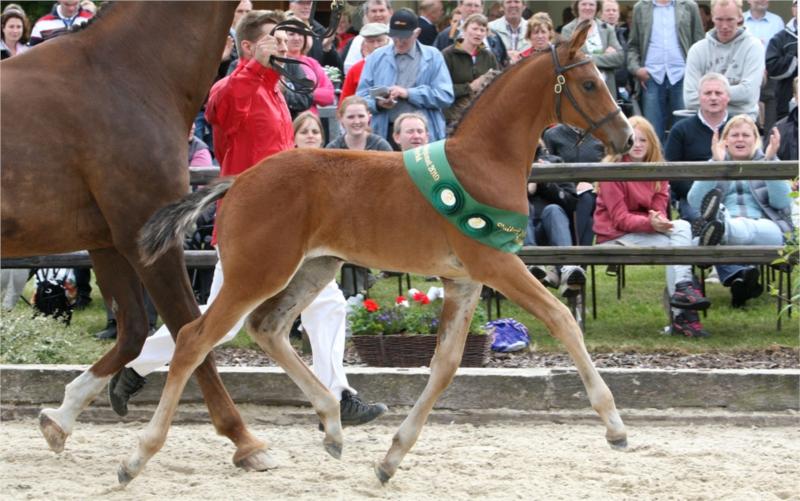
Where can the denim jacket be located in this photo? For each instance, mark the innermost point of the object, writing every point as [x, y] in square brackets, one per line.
[432, 91]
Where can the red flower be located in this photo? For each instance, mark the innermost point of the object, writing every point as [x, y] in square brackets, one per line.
[371, 305]
[399, 299]
[421, 298]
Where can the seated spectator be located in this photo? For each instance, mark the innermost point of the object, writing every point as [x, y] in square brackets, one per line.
[323, 94]
[404, 77]
[742, 212]
[199, 154]
[375, 36]
[561, 141]
[468, 62]
[732, 51]
[690, 139]
[601, 42]
[410, 131]
[787, 127]
[636, 213]
[551, 207]
[781, 63]
[354, 117]
[15, 33]
[307, 131]
[540, 34]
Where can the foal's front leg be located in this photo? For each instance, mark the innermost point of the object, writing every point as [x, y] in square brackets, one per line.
[460, 299]
[510, 277]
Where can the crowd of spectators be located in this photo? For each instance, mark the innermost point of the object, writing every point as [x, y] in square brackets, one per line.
[699, 81]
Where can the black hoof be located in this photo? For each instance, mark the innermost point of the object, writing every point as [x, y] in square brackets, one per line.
[619, 444]
[123, 475]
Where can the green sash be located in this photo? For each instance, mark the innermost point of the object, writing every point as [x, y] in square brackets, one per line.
[435, 179]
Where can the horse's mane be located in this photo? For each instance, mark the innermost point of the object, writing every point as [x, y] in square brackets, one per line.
[494, 76]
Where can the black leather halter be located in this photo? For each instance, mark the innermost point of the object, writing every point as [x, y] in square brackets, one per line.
[562, 87]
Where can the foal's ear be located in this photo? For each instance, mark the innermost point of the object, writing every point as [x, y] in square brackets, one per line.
[579, 37]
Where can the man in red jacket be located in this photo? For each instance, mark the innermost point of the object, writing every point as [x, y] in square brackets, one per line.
[251, 121]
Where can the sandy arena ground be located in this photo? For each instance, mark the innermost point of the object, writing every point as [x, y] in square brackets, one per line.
[498, 460]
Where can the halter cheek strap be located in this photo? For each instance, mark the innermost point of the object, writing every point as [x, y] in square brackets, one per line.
[561, 87]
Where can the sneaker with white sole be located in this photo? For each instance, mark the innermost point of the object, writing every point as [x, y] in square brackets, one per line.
[573, 278]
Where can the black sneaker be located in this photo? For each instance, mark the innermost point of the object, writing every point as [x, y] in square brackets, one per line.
[122, 387]
[688, 297]
[709, 207]
[110, 332]
[711, 233]
[745, 286]
[688, 324]
[354, 411]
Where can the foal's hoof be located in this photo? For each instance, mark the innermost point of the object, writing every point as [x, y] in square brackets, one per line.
[333, 448]
[382, 474]
[258, 461]
[123, 475]
[619, 444]
[55, 436]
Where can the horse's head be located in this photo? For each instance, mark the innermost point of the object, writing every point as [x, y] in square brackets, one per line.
[589, 105]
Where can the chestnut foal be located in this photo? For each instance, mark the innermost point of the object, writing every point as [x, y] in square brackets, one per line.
[289, 223]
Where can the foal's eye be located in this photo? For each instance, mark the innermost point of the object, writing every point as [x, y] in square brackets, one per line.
[588, 85]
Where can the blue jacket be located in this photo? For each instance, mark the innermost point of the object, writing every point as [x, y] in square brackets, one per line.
[432, 91]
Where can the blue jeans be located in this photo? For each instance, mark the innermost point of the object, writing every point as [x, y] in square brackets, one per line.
[552, 228]
[746, 231]
[658, 103]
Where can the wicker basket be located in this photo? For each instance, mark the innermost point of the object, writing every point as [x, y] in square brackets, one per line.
[415, 350]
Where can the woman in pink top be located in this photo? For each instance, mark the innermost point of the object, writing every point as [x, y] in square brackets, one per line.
[635, 213]
[299, 45]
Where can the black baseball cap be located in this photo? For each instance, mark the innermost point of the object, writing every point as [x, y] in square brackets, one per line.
[403, 23]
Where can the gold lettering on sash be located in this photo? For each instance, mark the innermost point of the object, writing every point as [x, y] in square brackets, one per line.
[429, 163]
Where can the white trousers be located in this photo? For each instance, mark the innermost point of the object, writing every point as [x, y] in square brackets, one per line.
[12, 283]
[324, 320]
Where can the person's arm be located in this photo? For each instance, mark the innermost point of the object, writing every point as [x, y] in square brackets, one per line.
[438, 94]
[367, 82]
[694, 71]
[622, 219]
[778, 194]
[230, 103]
[609, 60]
[324, 93]
[781, 60]
[698, 31]
[634, 51]
[747, 90]
[297, 101]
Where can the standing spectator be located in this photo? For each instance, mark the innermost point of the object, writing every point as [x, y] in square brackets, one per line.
[751, 212]
[411, 131]
[65, 15]
[662, 32]
[540, 34]
[690, 139]
[15, 28]
[468, 62]
[321, 49]
[782, 63]
[787, 127]
[344, 33]
[377, 11]
[728, 49]
[511, 28]
[414, 76]
[601, 42]
[635, 213]
[610, 14]
[764, 25]
[450, 34]
[354, 116]
[251, 122]
[323, 94]
[375, 36]
[430, 13]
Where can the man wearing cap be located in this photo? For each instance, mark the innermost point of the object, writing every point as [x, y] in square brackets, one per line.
[375, 36]
[406, 77]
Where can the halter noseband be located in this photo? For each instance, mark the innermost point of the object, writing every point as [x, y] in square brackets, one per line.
[561, 86]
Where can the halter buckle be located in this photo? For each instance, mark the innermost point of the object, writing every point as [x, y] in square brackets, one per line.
[560, 82]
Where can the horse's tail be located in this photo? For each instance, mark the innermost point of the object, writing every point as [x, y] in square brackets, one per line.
[170, 223]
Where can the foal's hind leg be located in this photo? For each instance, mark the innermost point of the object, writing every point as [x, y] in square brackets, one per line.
[269, 326]
[460, 299]
[509, 276]
[193, 343]
[118, 279]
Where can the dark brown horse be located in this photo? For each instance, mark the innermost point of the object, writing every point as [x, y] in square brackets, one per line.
[94, 129]
[285, 230]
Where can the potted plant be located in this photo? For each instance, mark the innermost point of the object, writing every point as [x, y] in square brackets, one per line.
[404, 334]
